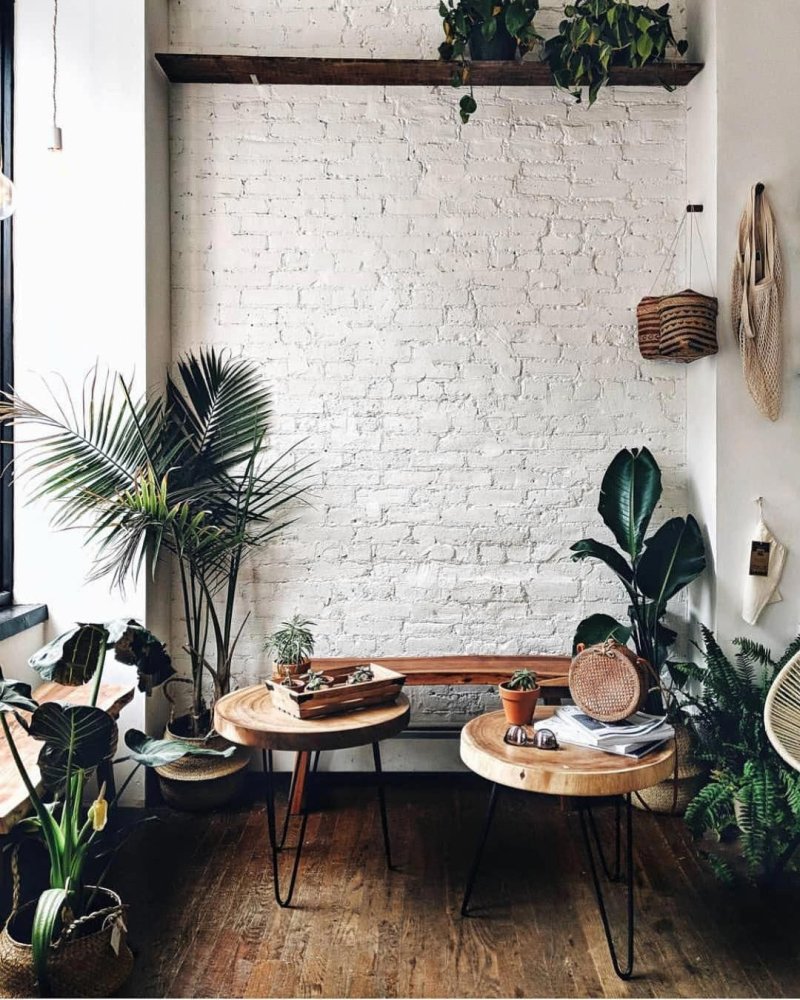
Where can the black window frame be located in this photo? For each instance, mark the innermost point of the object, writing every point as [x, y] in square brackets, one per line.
[6, 301]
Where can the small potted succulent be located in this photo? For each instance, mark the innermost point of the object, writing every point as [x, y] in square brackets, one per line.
[361, 674]
[519, 695]
[292, 645]
[315, 680]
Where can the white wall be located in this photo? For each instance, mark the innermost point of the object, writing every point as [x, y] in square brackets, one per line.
[751, 82]
[80, 256]
[447, 316]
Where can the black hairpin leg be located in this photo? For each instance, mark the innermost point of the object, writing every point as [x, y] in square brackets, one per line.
[376, 756]
[275, 844]
[592, 844]
[476, 861]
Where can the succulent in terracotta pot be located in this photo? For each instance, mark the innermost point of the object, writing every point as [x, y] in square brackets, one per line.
[519, 695]
[292, 645]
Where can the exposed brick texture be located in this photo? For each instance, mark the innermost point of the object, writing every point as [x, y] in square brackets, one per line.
[447, 317]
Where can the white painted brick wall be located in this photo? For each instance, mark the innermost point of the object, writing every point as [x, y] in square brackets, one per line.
[446, 314]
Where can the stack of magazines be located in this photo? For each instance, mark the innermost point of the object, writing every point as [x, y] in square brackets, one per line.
[635, 736]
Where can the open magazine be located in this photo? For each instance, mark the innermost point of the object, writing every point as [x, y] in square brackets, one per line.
[635, 736]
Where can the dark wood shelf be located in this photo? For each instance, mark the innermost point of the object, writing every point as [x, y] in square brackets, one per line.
[192, 68]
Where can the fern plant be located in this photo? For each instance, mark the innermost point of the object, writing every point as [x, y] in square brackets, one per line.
[750, 788]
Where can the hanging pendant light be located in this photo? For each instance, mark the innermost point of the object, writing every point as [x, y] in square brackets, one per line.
[56, 140]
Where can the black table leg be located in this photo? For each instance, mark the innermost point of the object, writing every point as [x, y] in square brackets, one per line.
[476, 861]
[275, 844]
[376, 756]
[592, 845]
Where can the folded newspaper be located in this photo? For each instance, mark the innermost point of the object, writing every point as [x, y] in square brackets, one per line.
[635, 736]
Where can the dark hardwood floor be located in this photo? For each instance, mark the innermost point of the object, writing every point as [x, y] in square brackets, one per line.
[203, 922]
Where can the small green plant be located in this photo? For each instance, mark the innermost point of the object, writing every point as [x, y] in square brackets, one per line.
[597, 35]
[360, 675]
[293, 643]
[316, 680]
[751, 789]
[522, 680]
[490, 29]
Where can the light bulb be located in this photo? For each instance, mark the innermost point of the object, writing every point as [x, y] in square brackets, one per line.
[6, 197]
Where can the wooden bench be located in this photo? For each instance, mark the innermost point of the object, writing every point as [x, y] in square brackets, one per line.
[14, 801]
[444, 671]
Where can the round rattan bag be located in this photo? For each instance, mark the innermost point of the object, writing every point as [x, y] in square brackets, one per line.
[608, 682]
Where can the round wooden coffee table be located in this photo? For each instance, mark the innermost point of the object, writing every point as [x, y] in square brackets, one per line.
[569, 771]
[249, 718]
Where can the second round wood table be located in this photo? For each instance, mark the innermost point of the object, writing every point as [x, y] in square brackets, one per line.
[569, 771]
[249, 718]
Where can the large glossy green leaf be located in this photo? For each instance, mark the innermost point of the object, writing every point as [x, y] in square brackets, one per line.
[15, 696]
[75, 737]
[48, 920]
[136, 646]
[589, 548]
[73, 657]
[598, 628]
[630, 490]
[155, 753]
[673, 557]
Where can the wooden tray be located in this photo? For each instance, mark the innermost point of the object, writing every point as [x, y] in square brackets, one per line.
[385, 687]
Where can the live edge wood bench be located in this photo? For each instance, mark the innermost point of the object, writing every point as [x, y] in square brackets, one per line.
[445, 671]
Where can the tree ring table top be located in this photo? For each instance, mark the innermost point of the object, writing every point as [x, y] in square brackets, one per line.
[570, 770]
[249, 718]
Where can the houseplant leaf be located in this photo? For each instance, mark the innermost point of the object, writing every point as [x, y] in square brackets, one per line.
[48, 920]
[588, 548]
[73, 657]
[155, 753]
[136, 646]
[76, 737]
[630, 490]
[16, 696]
[672, 558]
[598, 628]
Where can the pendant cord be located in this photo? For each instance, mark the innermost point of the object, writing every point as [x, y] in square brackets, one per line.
[55, 64]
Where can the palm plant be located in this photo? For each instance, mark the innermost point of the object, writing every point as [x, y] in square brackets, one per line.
[656, 569]
[184, 472]
[76, 740]
[751, 789]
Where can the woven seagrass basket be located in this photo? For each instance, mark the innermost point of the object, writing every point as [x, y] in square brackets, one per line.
[648, 322]
[671, 796]
[93, 964]
[688, 326]
[608, 682]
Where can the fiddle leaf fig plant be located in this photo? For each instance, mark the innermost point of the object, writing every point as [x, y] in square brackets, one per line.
[651, 570]
[484, 29]
[597, 35]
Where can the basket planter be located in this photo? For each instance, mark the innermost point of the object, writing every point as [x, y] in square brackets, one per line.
[648, 322]
[197, 784]
[91, 959]
[672, 796]
[688, 326]
[519, 706]
[502, 47]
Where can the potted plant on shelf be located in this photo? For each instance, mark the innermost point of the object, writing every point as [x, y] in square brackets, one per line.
[751, 791]
[292, 645]
[487, 30]
[519, 695]
[182, 472]
[70, 941]
[597, 35]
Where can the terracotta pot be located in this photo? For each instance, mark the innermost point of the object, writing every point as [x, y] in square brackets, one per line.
[292, 669]
[198, 784]
[519, 706]
[94, 961]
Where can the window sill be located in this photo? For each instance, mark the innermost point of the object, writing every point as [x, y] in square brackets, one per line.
[18, 617]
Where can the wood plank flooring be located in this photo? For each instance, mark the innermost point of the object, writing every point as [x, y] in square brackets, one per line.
[203, 921]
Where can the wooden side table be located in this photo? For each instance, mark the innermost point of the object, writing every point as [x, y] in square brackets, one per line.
[249, 718]
[568, 771]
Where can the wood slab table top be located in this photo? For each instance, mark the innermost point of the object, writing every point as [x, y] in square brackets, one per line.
[570, 770]
[249, 718]
[14, 801]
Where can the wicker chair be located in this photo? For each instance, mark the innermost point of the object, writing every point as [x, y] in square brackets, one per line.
[782, 713]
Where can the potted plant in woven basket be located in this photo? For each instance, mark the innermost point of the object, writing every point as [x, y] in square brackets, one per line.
[652, 571]
[182, 472]
[71, 941]
[519, 695]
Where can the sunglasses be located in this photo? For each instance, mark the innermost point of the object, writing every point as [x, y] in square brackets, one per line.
[524, 736]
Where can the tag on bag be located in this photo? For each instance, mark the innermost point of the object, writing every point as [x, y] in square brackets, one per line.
[759, 558]
[116, 934]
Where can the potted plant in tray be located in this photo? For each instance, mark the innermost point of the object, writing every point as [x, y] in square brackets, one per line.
[71, 940]
[597, 35]
[292, 645]
[182, 472]
[519, 695]
[487, 30]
